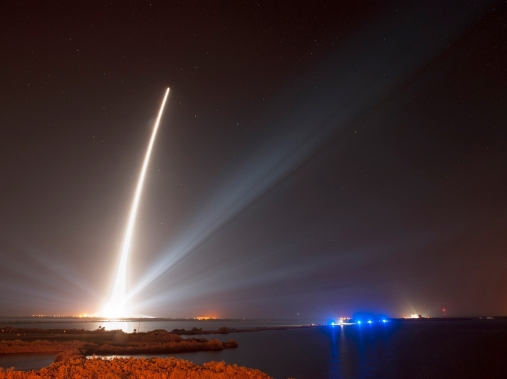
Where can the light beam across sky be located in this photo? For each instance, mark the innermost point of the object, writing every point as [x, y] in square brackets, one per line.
[337, 106]
[116, 307]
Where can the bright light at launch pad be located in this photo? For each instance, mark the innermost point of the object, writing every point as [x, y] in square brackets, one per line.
[117, 305]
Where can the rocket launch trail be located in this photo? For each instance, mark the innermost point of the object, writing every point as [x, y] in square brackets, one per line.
[116, 307]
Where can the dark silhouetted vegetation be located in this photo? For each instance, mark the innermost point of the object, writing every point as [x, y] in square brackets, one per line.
[185, 345]
[155, 342]
[21, 347]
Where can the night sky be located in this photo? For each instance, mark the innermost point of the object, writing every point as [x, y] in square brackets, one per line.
[315, 159]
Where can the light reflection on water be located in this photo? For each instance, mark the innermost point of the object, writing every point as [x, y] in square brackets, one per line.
[457, 349]
[147, 325]
[118, 325]
[345, 366]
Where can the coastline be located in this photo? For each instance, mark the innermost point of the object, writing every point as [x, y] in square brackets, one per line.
[73, 356]
[81, 342]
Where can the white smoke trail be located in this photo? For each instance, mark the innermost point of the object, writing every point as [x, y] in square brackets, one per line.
[116, 307]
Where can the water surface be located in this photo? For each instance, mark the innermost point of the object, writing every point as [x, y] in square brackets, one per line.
[147, 325]
[26, 362]
[397, 349]
[455, 349]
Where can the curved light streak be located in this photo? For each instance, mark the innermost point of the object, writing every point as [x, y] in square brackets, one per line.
[116, 307]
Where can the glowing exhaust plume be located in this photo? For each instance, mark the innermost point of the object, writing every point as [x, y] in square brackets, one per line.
[116, 307]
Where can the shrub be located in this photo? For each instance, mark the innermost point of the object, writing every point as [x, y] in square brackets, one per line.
[119, 368]
[224, 330]
[231, 344]
[215, 344]
[39, 346]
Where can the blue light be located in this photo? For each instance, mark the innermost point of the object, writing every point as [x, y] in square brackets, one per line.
[332, 323]
[384, 320]
[369, 321]
[359, 322]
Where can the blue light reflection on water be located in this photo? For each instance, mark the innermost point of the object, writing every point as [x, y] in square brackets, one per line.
[360, 359]
[344, 351]
[320, 352]
[342, 365]
[409, 349]
[334, 355]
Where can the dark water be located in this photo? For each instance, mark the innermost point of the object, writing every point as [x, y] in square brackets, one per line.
[405, 349]
[26, 362]
[455, 349]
